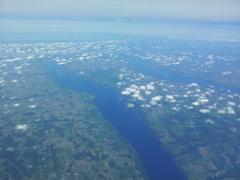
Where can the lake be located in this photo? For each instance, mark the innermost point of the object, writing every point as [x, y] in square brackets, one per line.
[156, 161]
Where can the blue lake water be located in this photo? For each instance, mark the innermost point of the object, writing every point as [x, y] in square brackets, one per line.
[156, 161]
[163, 74]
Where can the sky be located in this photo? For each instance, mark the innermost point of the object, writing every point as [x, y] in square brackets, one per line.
[161, 17]
[207, 10]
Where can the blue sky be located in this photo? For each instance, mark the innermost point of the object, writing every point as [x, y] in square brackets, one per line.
[165, 16]
[211, 10]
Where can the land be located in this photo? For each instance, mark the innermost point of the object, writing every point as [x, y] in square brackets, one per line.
[48, 132]
[197, 124]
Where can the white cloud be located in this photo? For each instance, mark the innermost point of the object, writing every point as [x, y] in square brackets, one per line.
[135, 95]
[210, 121]
[176, 108]
[125, 92]
[61, 63]
[210, 57]
[120, 76]
[130, 89]
[156, 98]
[137, 92]
[29, 57]
[198, 90]
[130, 105]
[32, 106]
[231, 103]
[142, 87]
[196, 103]
[141, 98]
[172, 100]
[230, 110]
[203, 100]
[205, 110]
[153, 102]
[22, 127]
[221, 111]
[134, 86]
[192, 84]
[147, 92]
[233, 129]
[150, 87]
[169, 97]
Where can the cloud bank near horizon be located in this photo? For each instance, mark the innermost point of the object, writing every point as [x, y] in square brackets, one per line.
[209, 10]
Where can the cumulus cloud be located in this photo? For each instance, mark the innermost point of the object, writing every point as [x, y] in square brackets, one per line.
[153, 103]
[33, 106]
[22, 127]
[230, 110]
[142, 87]
[231, 103]
[205, 110]
[203, 100]
[156, 98]
[210, 121]
[210, 57]
[221, 111]
[141, 98]
[120, 76]
[135, 95]
[148, 92]
[145, 105]
[61, 63]
[176, 108]
[193, 84]
[125, 92]
[137, 92]
[233, 129]
[130, 105]
[16, 105]
[130, 89]
[169, 97]
[150, 87]
[134, 86]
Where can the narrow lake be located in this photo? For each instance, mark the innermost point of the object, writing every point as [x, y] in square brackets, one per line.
[156, 161]
[163, 74]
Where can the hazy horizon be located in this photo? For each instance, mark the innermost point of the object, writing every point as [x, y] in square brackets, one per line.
[212, 18]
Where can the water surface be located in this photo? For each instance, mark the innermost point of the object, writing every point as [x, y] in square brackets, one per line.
[156, 161]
